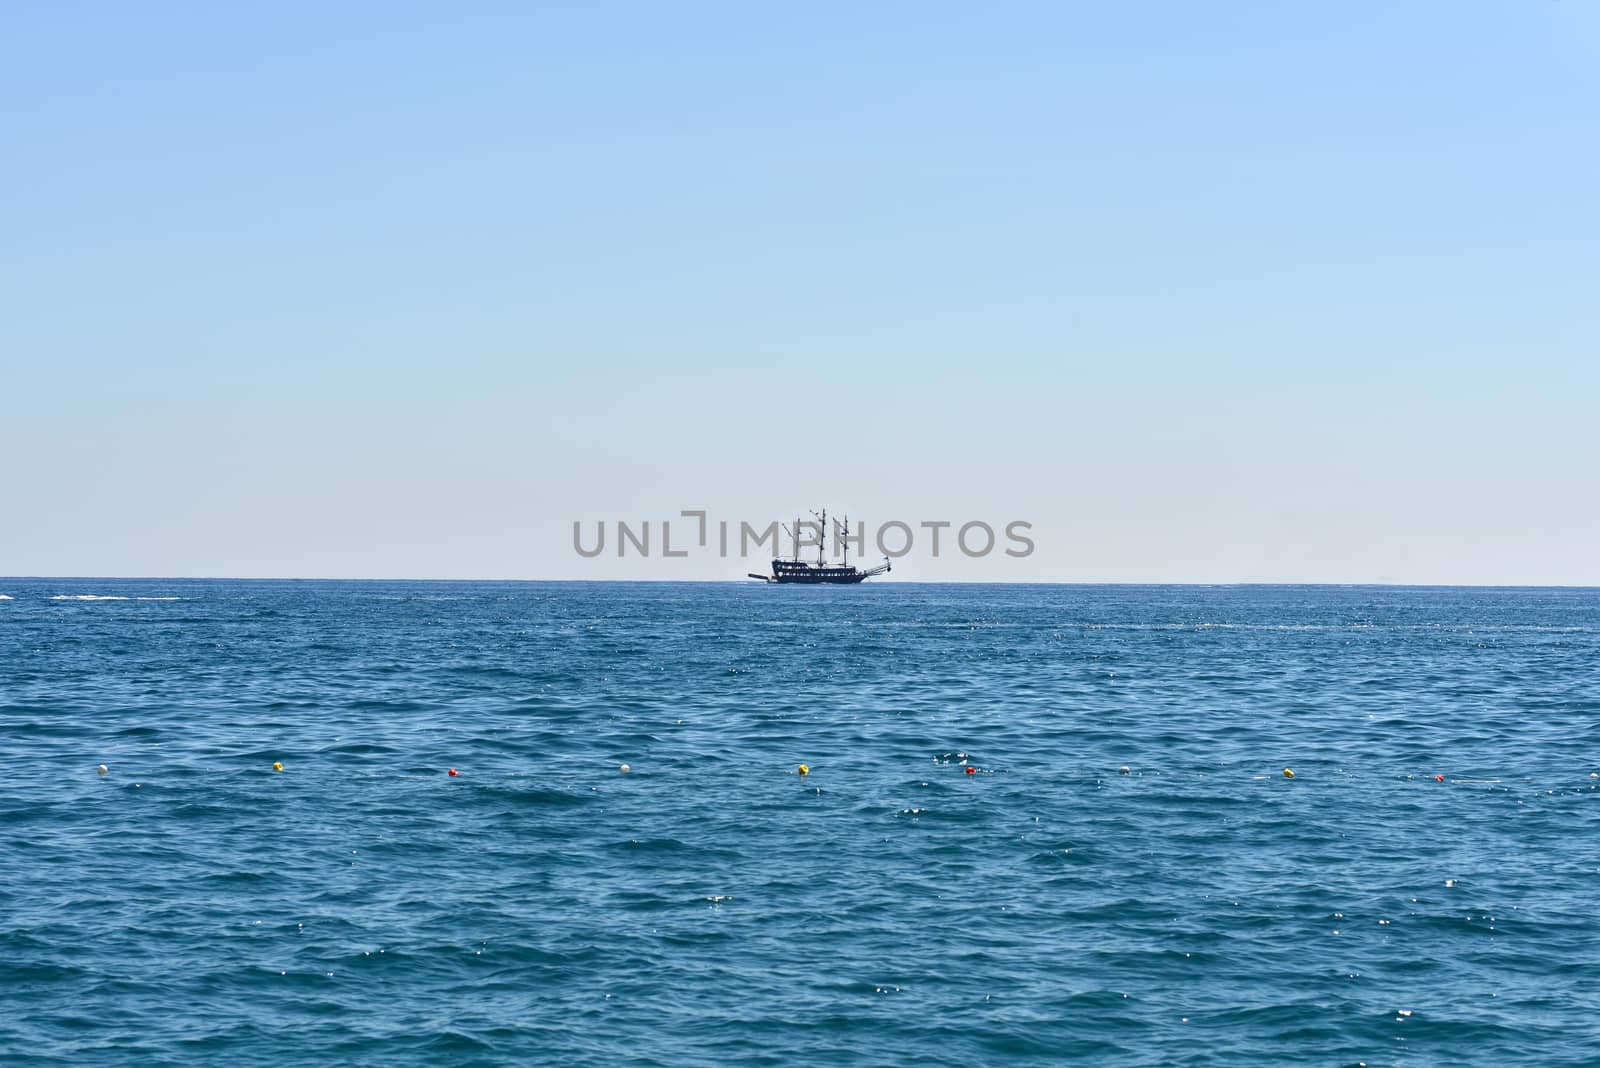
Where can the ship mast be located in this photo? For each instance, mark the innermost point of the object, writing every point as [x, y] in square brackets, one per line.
[844, 542]
[822, 537]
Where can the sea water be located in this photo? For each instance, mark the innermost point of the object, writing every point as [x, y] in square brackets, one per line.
[965, 874]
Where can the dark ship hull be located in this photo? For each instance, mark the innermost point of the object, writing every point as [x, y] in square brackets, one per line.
[784, 571]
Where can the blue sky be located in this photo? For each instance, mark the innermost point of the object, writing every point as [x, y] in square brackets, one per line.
[1211, 293]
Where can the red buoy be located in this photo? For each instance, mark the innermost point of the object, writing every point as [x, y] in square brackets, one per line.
[971, 770]
[453, 771]
[1438, 778]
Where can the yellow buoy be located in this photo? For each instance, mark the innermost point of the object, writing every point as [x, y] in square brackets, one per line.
[277, 765]
[1288, 773]
[805, 769]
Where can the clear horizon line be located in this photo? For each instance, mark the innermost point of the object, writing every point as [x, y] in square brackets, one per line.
[752, 582]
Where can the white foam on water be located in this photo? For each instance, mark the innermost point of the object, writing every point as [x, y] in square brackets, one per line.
[5, 597]
[85, 597]
[158, 598]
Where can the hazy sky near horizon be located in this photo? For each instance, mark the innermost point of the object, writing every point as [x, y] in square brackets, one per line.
[1204, 292]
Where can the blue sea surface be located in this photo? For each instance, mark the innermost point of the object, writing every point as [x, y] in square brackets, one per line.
[194, 906]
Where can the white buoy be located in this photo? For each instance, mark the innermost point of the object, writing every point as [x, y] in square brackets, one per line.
[102, 769]
[1125, 770]
[624, 769]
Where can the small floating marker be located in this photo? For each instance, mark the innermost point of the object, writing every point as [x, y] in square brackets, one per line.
[625, 769]
[102, 769]
[1438, 778]
[1594, 775]
[454, 773]
[1288, 773]
[971, 770]
[805, 769]
[1125, 770]
[277, 765]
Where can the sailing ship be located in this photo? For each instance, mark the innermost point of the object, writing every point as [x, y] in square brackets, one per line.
[822, 572]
